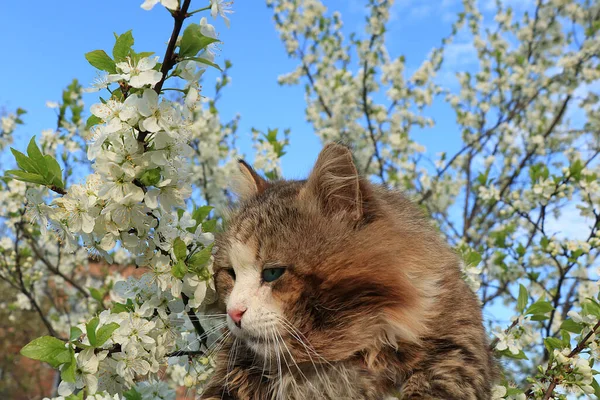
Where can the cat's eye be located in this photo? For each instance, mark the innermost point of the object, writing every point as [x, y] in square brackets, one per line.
[272, 274]
[231, 273]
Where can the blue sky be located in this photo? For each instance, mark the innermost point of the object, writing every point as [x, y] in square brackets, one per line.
[44, 45]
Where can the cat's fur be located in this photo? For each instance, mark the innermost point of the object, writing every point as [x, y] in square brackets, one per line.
[373, 296]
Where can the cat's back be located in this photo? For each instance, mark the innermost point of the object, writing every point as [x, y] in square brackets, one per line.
[455, 346]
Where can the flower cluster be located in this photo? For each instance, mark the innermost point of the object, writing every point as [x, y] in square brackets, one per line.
[131, 206]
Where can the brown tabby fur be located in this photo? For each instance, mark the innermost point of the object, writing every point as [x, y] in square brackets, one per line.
[371, 288]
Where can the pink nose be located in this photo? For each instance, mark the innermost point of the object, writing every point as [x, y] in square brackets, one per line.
[236, 315]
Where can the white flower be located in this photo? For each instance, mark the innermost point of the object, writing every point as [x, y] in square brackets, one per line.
[167, 194]
[140, 74]
[208, 30]
[118, 182]
[101, 81]
[117, 115]
[130, 363]
[76, 205]
[170, 4]
[85, 373]
[507, 342]
[155, 390]
[23, 302]
[158, 116]
[128, 213]
[221, 7]
[134, 331]
[36, 208]
[498, 392]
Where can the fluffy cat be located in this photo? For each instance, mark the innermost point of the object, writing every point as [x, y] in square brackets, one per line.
[337, 288]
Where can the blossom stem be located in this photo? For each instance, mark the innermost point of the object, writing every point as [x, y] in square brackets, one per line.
[178, 90]
[197, 11]
[58, 190]
[194, 319]
[170, 59]
[180, 353]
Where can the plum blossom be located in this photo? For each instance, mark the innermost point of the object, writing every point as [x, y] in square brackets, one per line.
[138, 74]
[221, 7]
[85, 373]
[170, 4]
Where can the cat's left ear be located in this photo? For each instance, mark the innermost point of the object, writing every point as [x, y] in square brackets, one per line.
[336, 183]
[248, 183]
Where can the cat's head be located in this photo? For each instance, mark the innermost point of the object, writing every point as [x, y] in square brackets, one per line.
[317, 267]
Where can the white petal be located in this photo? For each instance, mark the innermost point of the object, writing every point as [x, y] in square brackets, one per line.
[100, 110]
[170, 4]
[87, 223]
[149, 4]
[151, 198]
[150, 124]
[91, 382]
[66, 388]
[147, 63]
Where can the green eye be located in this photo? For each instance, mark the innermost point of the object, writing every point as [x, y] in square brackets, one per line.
[271, 274]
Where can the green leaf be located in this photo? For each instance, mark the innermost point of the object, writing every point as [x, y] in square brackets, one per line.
[150, 177]
[25, 163]
[205, 61]
[473, 258]
[179, 269]
[26, 176]
[67, 373]
[523, 299]
[54, 176]
[520, 356]
[122, 46]
[97, 295]
[36, 155]
[120, 307]
[209, 226]
[596, 387]
[180, 249]
[90, 329]
[132, 394]
[48, 349]
[571, 326]
[91, 121]
[591, 308]
[193, 41]
[101, 60]
[200, 258]
[78, 396]
[552, 343]
[104, 333]
[540, 307]
[201, 213]
[75, 333]
[511, 391]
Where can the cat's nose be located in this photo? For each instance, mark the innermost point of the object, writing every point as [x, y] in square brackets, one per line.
[236, 315]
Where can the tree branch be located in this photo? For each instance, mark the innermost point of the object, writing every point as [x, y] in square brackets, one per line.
[170, 58]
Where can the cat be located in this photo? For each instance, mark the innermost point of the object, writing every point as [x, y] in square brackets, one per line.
[337, 288]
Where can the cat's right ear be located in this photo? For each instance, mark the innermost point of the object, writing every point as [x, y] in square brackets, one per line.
[336, 183]
[248, 183]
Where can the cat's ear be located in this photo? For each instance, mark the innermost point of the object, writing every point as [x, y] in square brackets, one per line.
[335, 182]
[248, 183]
